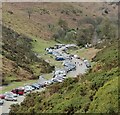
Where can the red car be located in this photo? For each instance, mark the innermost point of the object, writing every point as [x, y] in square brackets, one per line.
[2, 96]
[18, 91]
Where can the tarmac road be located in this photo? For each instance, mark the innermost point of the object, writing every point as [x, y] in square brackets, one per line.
[80, 65]
[5, 108]
[80, 69]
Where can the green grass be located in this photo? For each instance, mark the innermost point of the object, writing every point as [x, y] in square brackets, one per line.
[15, 85]
[84, 53]
[39, 45]
[93, 92]
[48, 76]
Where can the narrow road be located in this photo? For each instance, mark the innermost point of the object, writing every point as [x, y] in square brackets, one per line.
[80, 69]
[6, 107]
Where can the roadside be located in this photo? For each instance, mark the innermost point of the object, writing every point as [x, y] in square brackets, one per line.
[6, 108]
[13, 85]
[88, 53]
[80, 68]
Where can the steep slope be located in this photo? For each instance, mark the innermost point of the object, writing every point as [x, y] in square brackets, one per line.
[19, 61]
[84, 94]
[41, 20]
[109, 96]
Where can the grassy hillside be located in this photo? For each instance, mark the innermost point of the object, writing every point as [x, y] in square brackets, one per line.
[95, 92]
[49, 20]
[28, 28]
[109, 103]
[19, 59]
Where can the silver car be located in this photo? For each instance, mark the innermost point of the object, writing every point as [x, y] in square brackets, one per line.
[10, 98]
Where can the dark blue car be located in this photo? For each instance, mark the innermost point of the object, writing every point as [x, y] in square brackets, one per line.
[59, 58]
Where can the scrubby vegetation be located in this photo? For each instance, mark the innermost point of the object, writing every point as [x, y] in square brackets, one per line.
[95, 92]
[18, 48]
[89, 30]
[80, 23]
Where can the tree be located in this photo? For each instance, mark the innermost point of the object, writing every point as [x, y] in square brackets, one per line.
[106, 30]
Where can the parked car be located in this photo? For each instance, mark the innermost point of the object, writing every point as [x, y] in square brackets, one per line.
[65, 63]
[60, 77]
[2, 96]
[76, 56]
[19, 91]
[70, 67]
[10, 94]
[50, 51]
[42, 84]
[60, 80]
[87, 63]
[49, 82]
[60, 58]
[56, 54]
[1, 102]
[67, 69]
[36, 86]
[60, 72]
[28, 88]
[10, 98]
[54, 80]
[57, 80]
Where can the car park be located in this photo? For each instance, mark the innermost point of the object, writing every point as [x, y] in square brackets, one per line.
[59, 75]
[10, 98]
[1, 102]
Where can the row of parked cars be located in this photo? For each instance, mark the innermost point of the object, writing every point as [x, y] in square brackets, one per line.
[14, 93]
[60, 74]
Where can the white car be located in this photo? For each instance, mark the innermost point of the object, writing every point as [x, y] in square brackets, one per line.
[1, 102]
[10, 98]
[60, 80]
[28, 88]
[60, 72]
